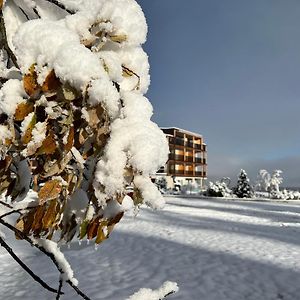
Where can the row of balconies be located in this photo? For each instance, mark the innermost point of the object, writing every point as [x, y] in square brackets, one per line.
[189, 173]
[192, 159]
[188, 143]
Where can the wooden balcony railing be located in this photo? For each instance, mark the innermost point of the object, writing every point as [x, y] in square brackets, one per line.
[189, 158]
[191, 173]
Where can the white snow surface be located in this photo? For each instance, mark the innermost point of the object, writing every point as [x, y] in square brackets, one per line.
[215, 249]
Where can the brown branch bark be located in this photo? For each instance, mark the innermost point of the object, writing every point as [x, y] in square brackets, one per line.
[43, 250]
[27, 269]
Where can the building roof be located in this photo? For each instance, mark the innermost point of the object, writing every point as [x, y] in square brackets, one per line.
[184, 131]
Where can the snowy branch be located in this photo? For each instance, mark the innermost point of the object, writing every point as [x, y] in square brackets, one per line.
[167, 289]
[4, 44]
[75, 126]
[27, 269]
[43, 250]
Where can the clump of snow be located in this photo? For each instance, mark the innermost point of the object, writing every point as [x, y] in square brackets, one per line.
[11, 94]
[167, 288]
[30, 200]
[103, 91]
[51, 247]
[4, 134]
[136, 60]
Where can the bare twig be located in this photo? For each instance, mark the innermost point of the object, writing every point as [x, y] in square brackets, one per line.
[5, 204]
[60, 5]
[165, 296]
[78, 291]
[23, 12]
[11, 212]
[26, 268]
[59, 289]
[43, 250]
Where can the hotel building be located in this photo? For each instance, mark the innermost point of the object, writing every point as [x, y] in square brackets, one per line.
[187, 158]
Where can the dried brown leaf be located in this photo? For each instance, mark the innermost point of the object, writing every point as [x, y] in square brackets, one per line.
[19, 226]
[36, 226]
[23, 110]
[28, 132]
[50, 190]
[93, 228]
[70, 140]
[51, 83]
[118, 38]
[31, 86]
[101, 236]
[49, 145]
[50, 215]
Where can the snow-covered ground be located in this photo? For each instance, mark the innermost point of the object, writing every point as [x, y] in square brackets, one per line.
[215, 249]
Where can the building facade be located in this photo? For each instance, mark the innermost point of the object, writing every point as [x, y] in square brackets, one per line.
[187, 162]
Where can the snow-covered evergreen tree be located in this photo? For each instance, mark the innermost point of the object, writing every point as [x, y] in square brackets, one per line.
[243, 188]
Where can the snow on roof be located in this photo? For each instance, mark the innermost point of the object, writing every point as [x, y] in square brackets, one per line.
[184, 131]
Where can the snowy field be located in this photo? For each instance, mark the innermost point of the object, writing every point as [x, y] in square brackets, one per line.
[214, 249]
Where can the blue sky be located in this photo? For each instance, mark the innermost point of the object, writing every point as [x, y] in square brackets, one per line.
[231, 71]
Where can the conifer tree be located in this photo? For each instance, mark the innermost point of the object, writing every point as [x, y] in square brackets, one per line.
[243, 188]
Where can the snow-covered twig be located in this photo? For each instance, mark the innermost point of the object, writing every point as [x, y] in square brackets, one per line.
[27, 269]
[4, 41]
[43, 250]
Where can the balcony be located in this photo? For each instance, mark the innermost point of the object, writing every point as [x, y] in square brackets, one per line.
[199, 173]
[189, 158]
[171, 140]
[173, 156]
[204, 161]
[197, 146]
[190, 173]
[179, 172]
[198, 160]
[189, 144]
[179, 141]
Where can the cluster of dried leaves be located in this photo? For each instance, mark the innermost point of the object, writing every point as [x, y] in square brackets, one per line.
[72, 135]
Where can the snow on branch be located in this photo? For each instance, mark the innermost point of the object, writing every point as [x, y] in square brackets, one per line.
[75, 126]
[167, 289]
